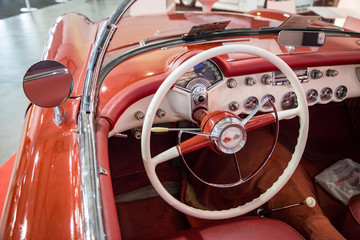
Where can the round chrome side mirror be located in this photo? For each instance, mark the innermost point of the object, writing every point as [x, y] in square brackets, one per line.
[48, 83]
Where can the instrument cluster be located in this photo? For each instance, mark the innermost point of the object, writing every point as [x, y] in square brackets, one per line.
[206, 73]
[321, 85]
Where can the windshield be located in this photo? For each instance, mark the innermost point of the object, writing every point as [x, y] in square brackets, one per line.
[147, 22]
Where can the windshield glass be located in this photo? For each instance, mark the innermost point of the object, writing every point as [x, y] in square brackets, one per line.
[148, 22]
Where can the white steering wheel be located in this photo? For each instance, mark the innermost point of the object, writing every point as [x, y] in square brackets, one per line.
[150, 163]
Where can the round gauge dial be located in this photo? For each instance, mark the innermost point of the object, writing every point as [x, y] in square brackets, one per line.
[289, 101]
[311, 96]
[267, 104]
[251, 103]
[207, 70]
[341, 92]
[326, 94]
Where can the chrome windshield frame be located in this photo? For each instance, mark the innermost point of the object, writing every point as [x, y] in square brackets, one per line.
[93, 223]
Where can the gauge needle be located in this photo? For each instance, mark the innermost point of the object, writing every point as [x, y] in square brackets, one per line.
[255, 111]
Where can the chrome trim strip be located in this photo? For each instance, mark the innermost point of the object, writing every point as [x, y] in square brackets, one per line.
[45, 74]
[90, 185]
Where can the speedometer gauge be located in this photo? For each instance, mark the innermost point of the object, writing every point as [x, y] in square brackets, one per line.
[207, 70]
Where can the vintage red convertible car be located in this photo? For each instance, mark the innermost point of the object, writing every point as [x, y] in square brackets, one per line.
[188, 125]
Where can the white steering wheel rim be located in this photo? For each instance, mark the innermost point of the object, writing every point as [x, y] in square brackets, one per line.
[301, 111]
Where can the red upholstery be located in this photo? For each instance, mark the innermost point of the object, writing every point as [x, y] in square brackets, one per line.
[354, 206]
[352, 23]
[242, 228]
[351, 226]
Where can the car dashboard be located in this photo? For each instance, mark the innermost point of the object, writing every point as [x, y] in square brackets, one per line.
[206, 85]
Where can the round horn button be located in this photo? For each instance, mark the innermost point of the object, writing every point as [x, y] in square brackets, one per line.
[231, 137]
[228, 135]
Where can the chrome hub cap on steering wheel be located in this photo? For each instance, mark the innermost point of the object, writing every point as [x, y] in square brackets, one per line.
[228, 136]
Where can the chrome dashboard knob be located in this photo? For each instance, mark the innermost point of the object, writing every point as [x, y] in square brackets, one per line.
[231, 83]
[266, 79]
[250, 81]
[331, 73]
[234, 106]
[316, 74]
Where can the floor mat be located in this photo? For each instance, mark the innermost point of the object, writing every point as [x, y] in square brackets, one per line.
[135, 222]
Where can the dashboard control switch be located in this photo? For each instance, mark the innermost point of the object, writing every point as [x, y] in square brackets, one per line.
[316, 74]
[160, 113]
[266, 79]
[139, 115]
[250, 81]
[231, 83]
[331, 73]
[136, 132]
[234, 106]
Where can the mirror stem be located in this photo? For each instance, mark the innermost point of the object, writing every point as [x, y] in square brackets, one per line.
[59, 115]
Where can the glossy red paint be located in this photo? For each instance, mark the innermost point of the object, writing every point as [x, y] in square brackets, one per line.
[44, 198]
[70, 42]
[259, 121]
[270, 13]
[207, 124]
[5, 173]
[107, 194]
[193, 144]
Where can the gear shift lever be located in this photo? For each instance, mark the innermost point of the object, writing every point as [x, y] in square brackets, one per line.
[309, 201]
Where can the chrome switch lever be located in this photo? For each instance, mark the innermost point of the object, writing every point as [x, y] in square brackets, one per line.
[309, 201]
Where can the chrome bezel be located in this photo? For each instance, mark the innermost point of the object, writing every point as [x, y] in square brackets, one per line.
[343, 93]
[326, 96]
[220, 128]
[315, 96]
[268, 105]
[246, 103]
[295, 104]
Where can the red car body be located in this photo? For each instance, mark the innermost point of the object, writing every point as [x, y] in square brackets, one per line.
[44, 197]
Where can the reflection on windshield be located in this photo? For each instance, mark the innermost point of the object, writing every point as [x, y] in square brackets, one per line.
[153, 21]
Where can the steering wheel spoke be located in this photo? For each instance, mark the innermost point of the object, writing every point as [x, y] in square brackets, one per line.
[195, 143]
[260, 121]
[288, 114]
[192, 144]
[166, 155]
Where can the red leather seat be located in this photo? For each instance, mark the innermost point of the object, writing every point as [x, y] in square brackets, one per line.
[241, 228]
[351, 225]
